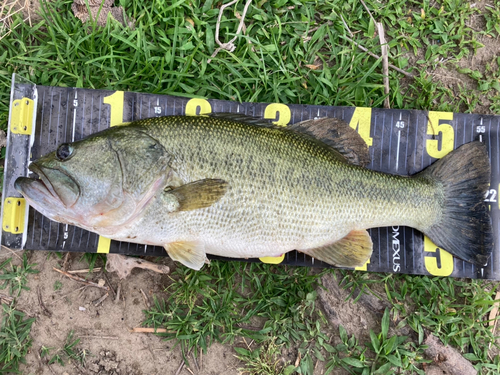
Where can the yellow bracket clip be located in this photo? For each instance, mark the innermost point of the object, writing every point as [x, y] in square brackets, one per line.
[14, 210]
[21, 120]
[272, 260]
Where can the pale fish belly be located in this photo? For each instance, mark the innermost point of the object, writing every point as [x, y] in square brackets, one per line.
[240, 230]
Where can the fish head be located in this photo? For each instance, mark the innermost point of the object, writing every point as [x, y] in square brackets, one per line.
[100, 182]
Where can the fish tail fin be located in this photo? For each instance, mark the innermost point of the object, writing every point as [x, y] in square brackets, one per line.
[464, 228]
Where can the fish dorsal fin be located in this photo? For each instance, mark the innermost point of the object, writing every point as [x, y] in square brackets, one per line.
[197, 194]
[337, 134]
[190, 253]
[353, 250]
[240, 117]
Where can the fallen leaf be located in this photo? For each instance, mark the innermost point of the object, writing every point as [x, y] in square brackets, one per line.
[313, 67]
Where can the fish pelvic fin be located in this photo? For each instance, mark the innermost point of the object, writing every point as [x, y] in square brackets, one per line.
[190, 253]
[198, 194]
[337, 134]
[353, 250]
[464, 228]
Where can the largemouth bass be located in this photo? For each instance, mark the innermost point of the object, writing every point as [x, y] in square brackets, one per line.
[233, 186]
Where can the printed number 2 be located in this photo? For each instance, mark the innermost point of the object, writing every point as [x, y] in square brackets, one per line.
[279, 112]
[491, 196]
[447, 134]
[431, 264]
[196, 107]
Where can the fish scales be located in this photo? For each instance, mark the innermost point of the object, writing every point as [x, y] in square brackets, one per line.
[229, 186]
[284, 190]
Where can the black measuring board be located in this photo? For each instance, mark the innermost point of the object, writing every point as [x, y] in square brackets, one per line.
[400, 142]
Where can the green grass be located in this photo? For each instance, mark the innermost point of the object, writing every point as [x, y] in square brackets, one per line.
[68, 352]
[15, 340]
[454, 310]
[16, 277]
[166, 54]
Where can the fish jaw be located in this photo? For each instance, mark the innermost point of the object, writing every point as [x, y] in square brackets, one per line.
[60, 185]
[41, 196]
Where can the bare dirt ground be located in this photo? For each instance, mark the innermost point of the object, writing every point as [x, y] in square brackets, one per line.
[104, 330]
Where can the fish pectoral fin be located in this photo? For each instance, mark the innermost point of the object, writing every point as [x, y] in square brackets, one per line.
[353, 250]
[198, 194]
[190, 253]
[337, 134]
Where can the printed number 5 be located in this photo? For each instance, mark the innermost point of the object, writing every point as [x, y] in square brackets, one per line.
[431, 264]
[447, 134]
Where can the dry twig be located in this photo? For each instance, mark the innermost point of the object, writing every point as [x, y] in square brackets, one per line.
[101, 300]
[409, 75]
[88, 270]
[370, 13]
[195, 363]
[12, 251]
[67, 294]
[385, 62]
[99, 337]
[118, 290]
[65, 263]
[6, 299]
[81, 280]
[229, 46]
[182, 364]
[109, 284]
[148, 330]
[146, 300]
[40, 302]
[123, 265]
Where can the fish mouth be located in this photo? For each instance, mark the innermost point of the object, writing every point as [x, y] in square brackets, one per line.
[48, 185]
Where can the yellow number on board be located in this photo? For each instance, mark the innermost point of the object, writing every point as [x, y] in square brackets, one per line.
[361, 122]
[279, 112]
[364, 267]
[447, 134]
[430, 262]
[115, 101]
[193, 105]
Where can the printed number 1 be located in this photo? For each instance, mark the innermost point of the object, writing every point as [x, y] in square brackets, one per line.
[361, 122]
[115, 102]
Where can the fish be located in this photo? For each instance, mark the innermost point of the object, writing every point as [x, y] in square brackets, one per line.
[236, 186]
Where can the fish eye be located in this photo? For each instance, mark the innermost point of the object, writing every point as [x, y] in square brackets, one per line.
[64, 152]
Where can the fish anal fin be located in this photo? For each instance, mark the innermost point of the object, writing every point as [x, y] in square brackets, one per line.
[190, 253]
[351, 251]
[198, 194]
[337, 134]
